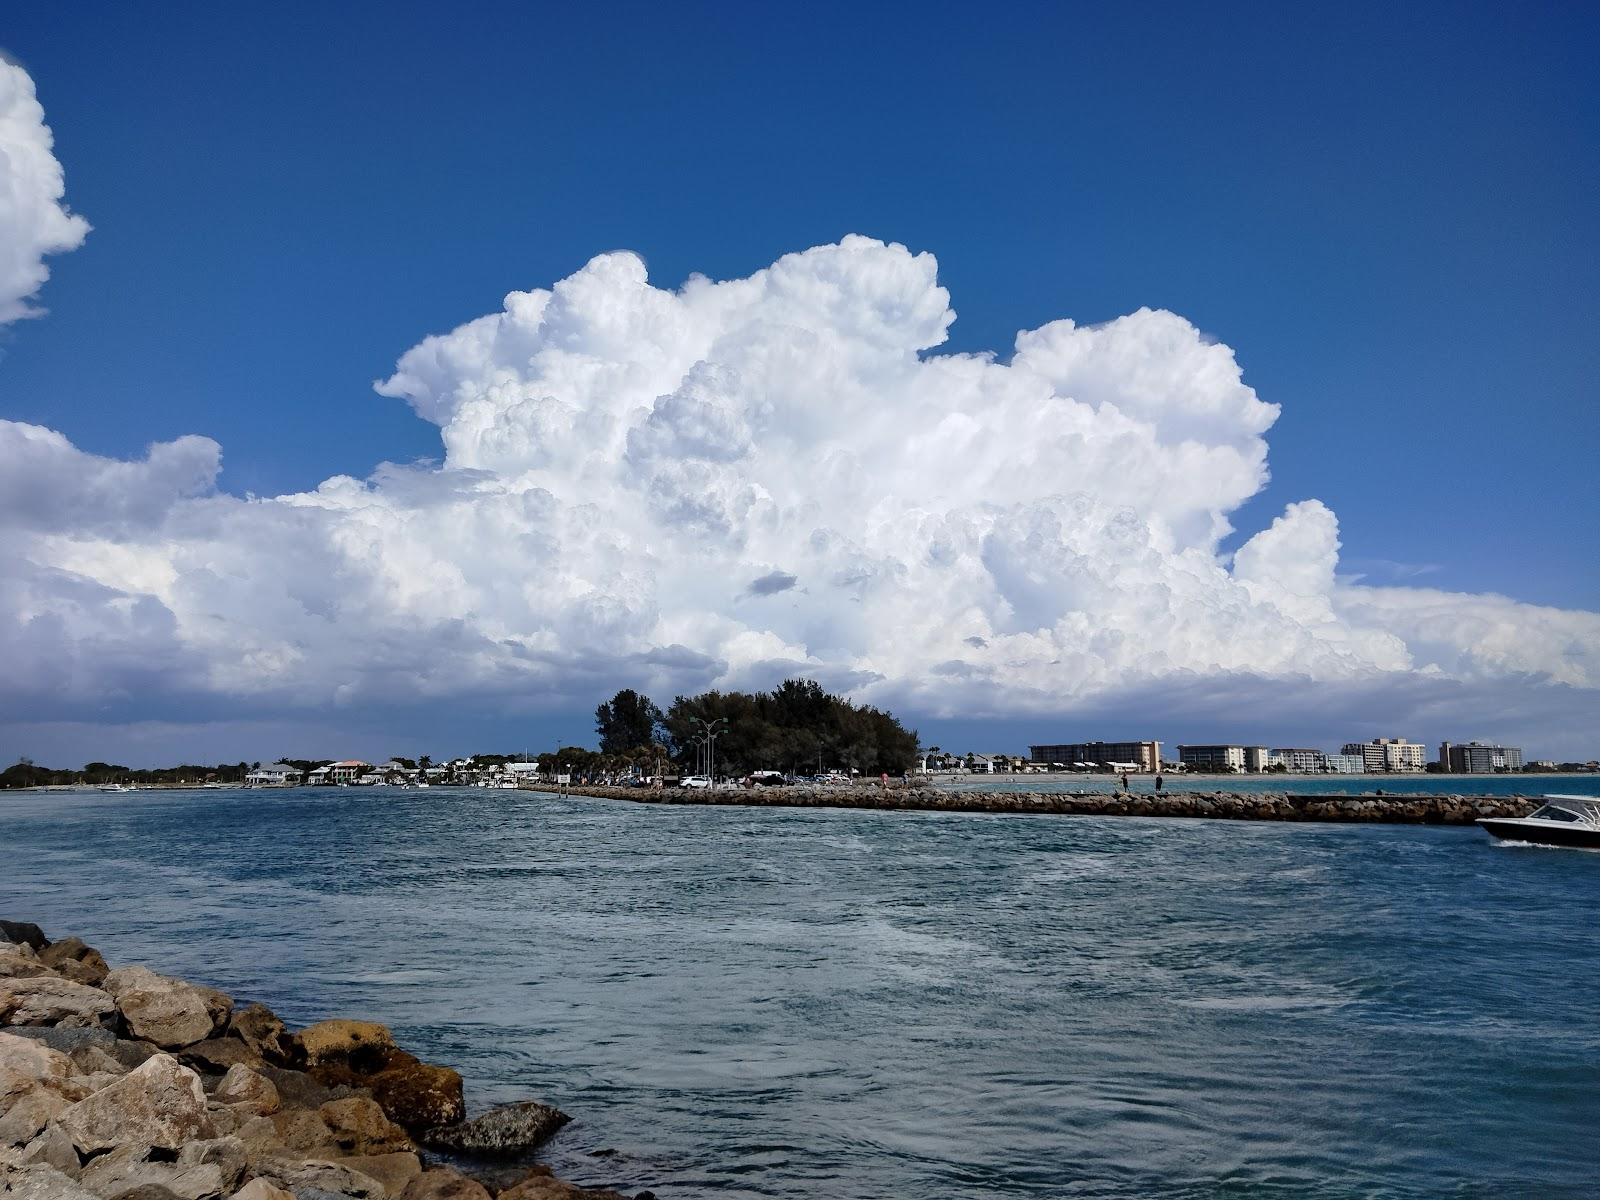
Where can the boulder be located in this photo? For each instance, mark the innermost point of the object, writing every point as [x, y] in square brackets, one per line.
[261, 1189]
[218, 1003]
[90, 1059]
[359, 1126]
[42, 1182]
[297, 1089]
[54, 1148]
[158, 1104]
[301, 1130]
[66, 1040]
[29, 1114]
[51, 1000]
[227, 1154]
[75, 960]
[299, 1175]
[165, 1011]
[248, 1091]
[540, 1183]
[419, 1095]
[225, 1121]
[509, 1129]
[441, 1183]
[218, 1054]
[24, 932]
[25, 1065]
[358, 1043]
[129, 1167]
[258, 1027]
[18, 961]
[394, 1171]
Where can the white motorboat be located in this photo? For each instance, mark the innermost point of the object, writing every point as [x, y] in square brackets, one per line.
[1559, 821]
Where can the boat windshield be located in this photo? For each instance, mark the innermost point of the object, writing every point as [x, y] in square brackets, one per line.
[1551, 813]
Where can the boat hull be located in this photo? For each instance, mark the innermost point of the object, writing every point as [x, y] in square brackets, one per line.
[1542, 833]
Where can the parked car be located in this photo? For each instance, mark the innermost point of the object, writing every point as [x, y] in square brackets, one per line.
[695, 781]
[765, 779]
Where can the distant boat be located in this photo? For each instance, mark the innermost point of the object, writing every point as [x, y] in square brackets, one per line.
[114, 787]
[1560, 821]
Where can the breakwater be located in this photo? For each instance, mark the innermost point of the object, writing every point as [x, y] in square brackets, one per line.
[1227, 806]
[123, 1083]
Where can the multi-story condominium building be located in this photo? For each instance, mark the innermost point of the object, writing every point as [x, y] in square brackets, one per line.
[1345, 764]
[1212, 758]
[1477, 759]
[1298, 761]
[1390, 754]
[1145, 755]
[1256, 758]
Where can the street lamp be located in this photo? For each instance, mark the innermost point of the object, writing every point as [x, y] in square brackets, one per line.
[711, 731]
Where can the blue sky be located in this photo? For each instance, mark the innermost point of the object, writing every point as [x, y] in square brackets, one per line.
[1388, 212]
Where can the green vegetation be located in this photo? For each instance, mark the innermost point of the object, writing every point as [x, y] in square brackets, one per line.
[26, 774]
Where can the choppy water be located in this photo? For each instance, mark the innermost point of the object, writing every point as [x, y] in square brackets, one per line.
[1587, 784]
[814, 1003]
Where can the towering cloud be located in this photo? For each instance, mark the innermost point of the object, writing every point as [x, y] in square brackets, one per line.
[724, 484]
[33, 221]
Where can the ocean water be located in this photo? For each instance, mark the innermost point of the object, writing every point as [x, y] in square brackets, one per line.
[1587, 784]
[811, 1003]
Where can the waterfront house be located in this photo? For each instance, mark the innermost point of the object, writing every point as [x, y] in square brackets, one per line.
[277, 775]
[347, 771]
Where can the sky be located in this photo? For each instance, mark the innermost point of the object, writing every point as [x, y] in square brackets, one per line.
[1312, 463]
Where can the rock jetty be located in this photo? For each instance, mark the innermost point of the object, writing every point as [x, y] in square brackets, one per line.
[128, 1085]
[1227, 806]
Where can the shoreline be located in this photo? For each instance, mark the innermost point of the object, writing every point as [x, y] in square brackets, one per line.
[1431, 809]
[116, 1083]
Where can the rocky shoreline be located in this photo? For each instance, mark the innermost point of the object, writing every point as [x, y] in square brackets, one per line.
[129, 1085]
[1227, 806]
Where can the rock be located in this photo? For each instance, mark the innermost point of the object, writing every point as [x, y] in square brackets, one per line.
[218, 1054]
[224, 1121]
[25, 933]
[302, 1130]
[55, 1148]
[148, 1191]
[261, 1189]
[41, 1182]
[541, 1184]
[28, 1115]
[505, 1130]
[394, 1171]
[165, 1011]
[441, 1183]
[297, 1089]
[359, 1126]
[157, 1104]
[129, 1167]
[218, 1003]
[25, 1065]
[299, 1175]
[227, 1154]
[420, 1095]
[50, 1000]
[65, 1040]
[258, 1027]
[90, 1059]
[85, 961]
[132, 1053]
[355, 1042]
[248, 1090]
[18, 961]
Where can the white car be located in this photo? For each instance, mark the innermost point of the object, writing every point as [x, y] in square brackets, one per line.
[695, 781]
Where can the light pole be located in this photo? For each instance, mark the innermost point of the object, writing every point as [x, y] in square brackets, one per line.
[712, 729]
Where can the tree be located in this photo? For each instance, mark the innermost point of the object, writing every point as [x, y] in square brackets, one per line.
[626, 722]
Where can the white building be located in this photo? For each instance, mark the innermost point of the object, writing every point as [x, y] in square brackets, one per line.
[1390, 754]
[1227, 759]
[277, 775]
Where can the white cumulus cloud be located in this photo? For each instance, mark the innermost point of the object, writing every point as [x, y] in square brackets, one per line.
[33, 220]
[721, 484]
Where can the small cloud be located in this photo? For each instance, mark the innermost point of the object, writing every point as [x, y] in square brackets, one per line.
[976, 642]
[771, 583]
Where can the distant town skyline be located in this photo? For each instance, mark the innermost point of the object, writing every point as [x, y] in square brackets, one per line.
[672, 392]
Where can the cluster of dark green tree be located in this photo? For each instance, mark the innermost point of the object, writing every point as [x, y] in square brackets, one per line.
[797, 728]
[28, 774]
